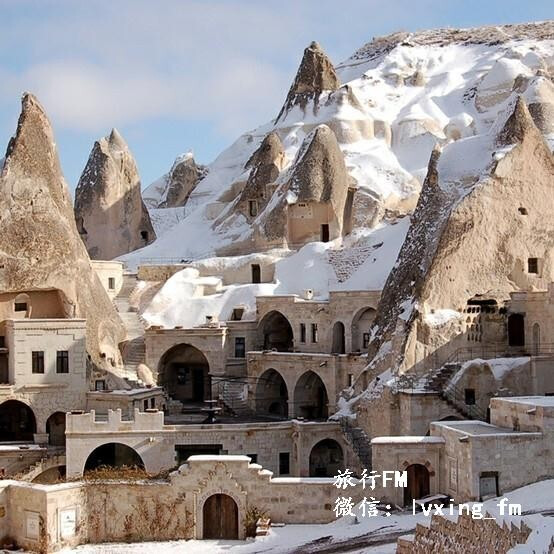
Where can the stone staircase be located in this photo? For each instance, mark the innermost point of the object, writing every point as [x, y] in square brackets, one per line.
[439, 378]
[134, 350]
[345, 261]
[358, 440]
[233, 395]
[53, 459]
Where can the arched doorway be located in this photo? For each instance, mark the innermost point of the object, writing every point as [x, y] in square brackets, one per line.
[55, 427]
[275, 332]
[185, 374]
[17, 421]
[338, 345]
[310, 397]
[360, 329]
[326, 459]
[516, 330]
[536, 339]
[113, 454]
[220, 516]
[418, 483]
[272, 396]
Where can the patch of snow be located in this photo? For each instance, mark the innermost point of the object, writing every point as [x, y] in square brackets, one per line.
[441, 317]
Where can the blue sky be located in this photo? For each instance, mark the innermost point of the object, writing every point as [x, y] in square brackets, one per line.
[175, 75]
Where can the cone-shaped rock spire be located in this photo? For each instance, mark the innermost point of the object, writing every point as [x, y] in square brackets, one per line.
[111, 216]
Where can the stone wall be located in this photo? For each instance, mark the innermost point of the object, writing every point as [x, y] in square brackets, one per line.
[159, 272]
[156, 443]
[52, 516]
[106, 270]
[464, 536]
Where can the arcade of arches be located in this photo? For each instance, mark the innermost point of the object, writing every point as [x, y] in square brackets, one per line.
[113, 454]
[276, 332]
[220, 516]
[310, 397]
[271, 394]
[184, 372]
[17, 421]
[326, 459]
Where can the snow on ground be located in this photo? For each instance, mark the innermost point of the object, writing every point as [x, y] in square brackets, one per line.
[532, 498]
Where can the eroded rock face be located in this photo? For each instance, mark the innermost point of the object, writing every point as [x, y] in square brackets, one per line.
[266, 163]
[111, 216]
[471, 236]
[40, 248]
[315, 75]
[181, 181]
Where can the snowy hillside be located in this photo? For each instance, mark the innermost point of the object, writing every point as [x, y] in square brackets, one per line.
[399, 97]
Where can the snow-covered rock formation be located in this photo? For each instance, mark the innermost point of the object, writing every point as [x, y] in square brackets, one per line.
[111, 216]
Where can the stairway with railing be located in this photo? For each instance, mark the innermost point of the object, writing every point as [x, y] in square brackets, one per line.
[358, 440]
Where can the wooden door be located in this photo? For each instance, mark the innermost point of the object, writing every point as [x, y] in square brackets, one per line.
[220, 517]
[418, 483]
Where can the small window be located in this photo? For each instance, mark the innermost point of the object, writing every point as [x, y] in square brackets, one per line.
[99, 384]
[111, 283]
[350, 379]
[253, 208]
[365, 340]
[37, 361]
[2, 342]
[20, 306]
[469, 396]
[256, 274]
[62, 361]
[152, 403]
[314, 332]
[302, 332]
[253, 458]
[237, 314]
[533, 265]
[145, 404]
[522, 211]
[284, 463]
[144, 235]
[240, 347]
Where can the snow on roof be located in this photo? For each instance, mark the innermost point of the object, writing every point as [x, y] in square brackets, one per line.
[542, 401]
[407, 440]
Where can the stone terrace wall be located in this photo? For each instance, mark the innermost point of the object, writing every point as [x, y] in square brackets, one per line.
[466, 536]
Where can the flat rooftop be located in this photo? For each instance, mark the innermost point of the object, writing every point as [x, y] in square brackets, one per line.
[479, 428]
[543, 401]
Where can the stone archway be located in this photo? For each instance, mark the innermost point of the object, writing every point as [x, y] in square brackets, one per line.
[272, 396]
[338, 345]
[360, 328]
[418, 483]
[113, 454]
[220, 517]
[184, 372]
[17, 421]
[310, 397]
[55, 427]
[326, 459]
[275, 332]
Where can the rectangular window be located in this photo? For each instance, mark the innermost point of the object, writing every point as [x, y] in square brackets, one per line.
[152, 403]
[365, 340]
[314, 332]
[100, 384]
[252, 208]
[237, 314]
[111, 283]
[20, 306]
[350, 379]
[253, 458]
[145, 404]
[256, 274]
[469, 396]
[38, 361]
[302, 332]
[2, 342]
[533, 265]
[62, 361]
[284, 463]
[240, 347]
